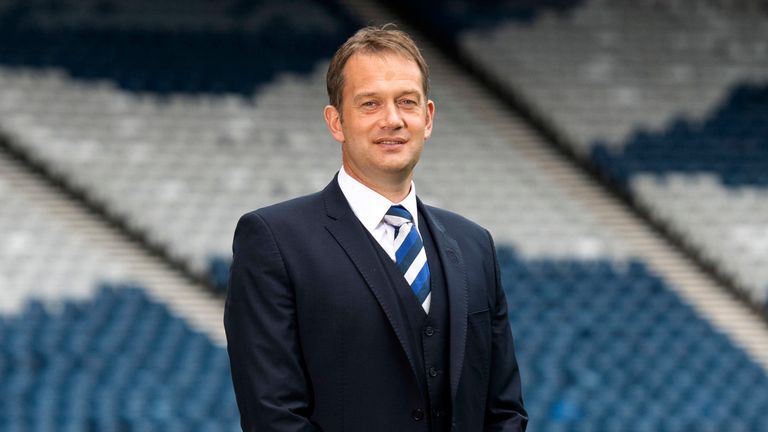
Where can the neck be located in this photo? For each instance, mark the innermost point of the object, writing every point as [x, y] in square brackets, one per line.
[393, 188]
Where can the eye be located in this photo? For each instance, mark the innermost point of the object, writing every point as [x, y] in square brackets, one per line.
[408, 102]
[368, 104]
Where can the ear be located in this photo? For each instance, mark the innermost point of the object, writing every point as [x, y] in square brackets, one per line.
[333, 121]
[430, 117]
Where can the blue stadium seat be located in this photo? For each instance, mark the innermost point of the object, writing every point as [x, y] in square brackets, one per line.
[732, 143]
[118, 362]
[608, 345]
[173, 60]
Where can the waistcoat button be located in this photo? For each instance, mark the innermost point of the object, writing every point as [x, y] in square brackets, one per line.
[417, 414]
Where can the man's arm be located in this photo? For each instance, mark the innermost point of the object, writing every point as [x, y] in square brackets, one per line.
[262, 337]
[504, 410]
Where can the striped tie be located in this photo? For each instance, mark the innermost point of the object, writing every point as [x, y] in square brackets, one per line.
[410, 256]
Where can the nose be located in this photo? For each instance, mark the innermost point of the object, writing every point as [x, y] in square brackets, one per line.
[392, 119]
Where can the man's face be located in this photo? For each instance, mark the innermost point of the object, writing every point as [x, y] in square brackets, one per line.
[385, 117]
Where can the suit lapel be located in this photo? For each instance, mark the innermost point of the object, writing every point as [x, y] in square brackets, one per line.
[352, 237]
[456, 281]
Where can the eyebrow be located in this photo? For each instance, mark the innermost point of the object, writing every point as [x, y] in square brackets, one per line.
[401, 94]
[363, 96]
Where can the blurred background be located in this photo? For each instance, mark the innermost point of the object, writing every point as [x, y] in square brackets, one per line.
[617, 150]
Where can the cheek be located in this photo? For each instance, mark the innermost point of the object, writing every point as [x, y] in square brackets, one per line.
[416, 121]
[359, 129]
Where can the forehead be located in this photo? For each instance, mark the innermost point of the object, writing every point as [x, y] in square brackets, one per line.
[366, 72]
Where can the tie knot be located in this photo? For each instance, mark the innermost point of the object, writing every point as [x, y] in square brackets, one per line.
[397, 216]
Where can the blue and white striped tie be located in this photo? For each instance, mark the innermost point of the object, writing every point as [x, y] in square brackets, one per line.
[410, 256]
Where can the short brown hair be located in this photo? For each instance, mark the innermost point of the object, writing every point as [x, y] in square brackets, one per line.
[372, 40]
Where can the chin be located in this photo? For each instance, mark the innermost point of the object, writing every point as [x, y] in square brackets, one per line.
[399, 167]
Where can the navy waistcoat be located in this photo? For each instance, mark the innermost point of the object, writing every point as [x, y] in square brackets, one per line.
[428, 336]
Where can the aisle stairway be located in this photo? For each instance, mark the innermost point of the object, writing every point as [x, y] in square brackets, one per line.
[55, 250]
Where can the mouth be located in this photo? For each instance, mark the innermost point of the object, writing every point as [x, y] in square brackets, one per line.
[390, 141]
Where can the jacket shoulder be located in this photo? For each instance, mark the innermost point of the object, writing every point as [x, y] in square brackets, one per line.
[287, 211]
[454, 222]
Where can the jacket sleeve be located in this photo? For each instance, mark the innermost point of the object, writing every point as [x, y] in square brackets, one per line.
[504, 407]
[270, 380]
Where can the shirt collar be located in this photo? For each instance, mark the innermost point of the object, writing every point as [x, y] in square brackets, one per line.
[368, 205]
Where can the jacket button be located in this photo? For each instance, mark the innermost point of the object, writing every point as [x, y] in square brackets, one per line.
[429, 331]
[417, 414]
[432, 372]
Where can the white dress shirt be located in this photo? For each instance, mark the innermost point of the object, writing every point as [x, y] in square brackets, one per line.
[370, 207]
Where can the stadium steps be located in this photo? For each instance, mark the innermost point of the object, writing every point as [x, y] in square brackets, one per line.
[746, 328]
[164, 283]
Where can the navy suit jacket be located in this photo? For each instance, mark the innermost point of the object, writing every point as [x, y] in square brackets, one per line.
[315, 342]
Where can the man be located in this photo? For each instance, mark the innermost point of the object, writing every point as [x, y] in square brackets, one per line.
[359, 308]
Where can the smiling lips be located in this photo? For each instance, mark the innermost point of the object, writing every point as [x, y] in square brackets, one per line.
[390, 140]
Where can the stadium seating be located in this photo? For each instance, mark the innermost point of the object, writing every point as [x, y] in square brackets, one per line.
[181, 168]
[112, 109]
[116, 362]
[730, 144]
[167, 139]
[163, 47]
[667, 100]
[81, 351]
[709, 182]
[607, 346]
[39, 256]
[602, 349]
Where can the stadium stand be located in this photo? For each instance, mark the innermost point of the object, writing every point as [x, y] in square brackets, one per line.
[38, 253]
[81, 349]
[115, 362]
[161, 131]
[170, 47]
[667, 99]
[122, 149]
[708, 181]
[609, 347]
[117, 136]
